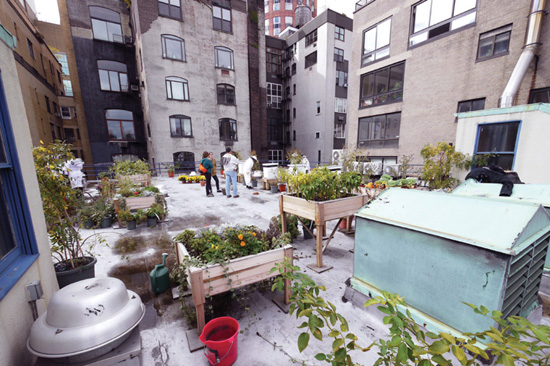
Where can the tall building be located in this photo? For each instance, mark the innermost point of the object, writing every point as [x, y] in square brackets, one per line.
[106, 64]
[416, 64]
[200, 68]
[280, 14]
[315, 85]
[38, 70]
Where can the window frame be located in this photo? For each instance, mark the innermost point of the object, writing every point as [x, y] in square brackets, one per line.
[495, 159]
[340, 130]
[340, 33]
[287, 3]
[221, 19]
[30, 47]
[338, 56]
[381, 98]
[120, 121]
[223, 49]
[276, 5]
[226, 87]
[493, 34]
[341, 75]
[171, 37]
[181, 118]
[311, 38]
[232, 123]
[118, 74]
[534, 93]
[108, 22]
[309, 59]
[171, 9]
[471, 103]
[169, 82]
[14, 205]
[68, 109]
[68, 88]
[392, 142]
[274, 101]
[378, 53]
[275, 156]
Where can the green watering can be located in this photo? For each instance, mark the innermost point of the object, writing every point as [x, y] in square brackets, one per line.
[160, 278]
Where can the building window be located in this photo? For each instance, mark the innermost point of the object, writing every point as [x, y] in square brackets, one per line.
[222, 19]
[177, 88]
[293, 112]
[294, 135]
[274, 130]
[339, 33]
[342, 79]
[170, 8]
[338, 54]
[173, 47]
[180, 126]
[113, 76]
[226, 94]
[376, 42]
[62, 58]
[383, 86]
[288, 4]
[66, 113]
[228, 129]
[471, 105]
[274, 65]
[69, 135]
[294, 89]
[289, 21]
[68, 87]
[318, 107]
[432, 18]
[18, 248]
[500, 140]
[120, 124]
[106, 24]
[274, 95]
[224, 58]
[340, 105]
[48, 108]
[539, 95]
[311, 38]
[339, 130]
[275, 156]
[276, 5]
[379, 131]
[31, 49]
[266, 6]
[276, 26]
[494, 43]
[267, 27]
[311, 59]
[293, 69]
[317, 135]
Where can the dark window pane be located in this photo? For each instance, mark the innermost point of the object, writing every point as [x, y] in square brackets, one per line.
[501, 43]
[381, 81]
[7, 239]
[498, 137]
[540, 96]
[478, 104]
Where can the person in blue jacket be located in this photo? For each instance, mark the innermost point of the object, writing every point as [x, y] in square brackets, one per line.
[207, 163]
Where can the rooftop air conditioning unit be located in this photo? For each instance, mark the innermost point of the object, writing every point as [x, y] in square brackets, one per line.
[337, 156]
[392, 169]
[373, 168]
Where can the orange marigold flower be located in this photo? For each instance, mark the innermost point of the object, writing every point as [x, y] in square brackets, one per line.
[240, 236]
[243, 243]
[254, 234]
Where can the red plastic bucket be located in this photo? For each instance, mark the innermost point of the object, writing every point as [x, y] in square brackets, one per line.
[219, 336]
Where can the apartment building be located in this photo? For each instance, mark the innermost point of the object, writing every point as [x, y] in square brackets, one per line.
[417, 63]
[316, 85]
[106, 65]
[201, 71]
[38, 70]
[280, 14]
[277, 100]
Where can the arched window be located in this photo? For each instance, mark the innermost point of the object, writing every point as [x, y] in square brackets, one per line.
[180, 126]
[177, 88]
[106, 24]
[228, 129]
[173, 47]
[226, 94]
[184, 161]
[113, 76]
[120, 124]
[224, 58]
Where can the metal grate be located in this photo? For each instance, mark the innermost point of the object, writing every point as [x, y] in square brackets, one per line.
[524, 278]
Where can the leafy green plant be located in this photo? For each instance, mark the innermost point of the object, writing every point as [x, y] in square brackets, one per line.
[294, 156]
[125, 215]
[156, 210]
[438, 161]
[291, 223]
[130, 167]
[516, 340]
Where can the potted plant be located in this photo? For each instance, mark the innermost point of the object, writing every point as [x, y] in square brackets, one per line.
[126, 216]
[154, 213]
[104, 212]
[73, 260]
[170, 169]
[139, 171]
[86, 214]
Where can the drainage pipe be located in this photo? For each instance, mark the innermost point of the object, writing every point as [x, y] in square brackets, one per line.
[534, 26]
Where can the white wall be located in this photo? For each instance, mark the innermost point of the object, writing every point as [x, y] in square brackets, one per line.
[533, 148]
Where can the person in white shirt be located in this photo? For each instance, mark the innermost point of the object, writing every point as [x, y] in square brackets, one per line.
[230, 164]
[248, 170]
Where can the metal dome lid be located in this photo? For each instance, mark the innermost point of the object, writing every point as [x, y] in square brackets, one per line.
[84, 316]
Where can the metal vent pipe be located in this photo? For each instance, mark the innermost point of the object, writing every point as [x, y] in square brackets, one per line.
[534, 26]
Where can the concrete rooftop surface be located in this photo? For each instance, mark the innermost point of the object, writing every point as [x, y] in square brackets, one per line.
[267, 336]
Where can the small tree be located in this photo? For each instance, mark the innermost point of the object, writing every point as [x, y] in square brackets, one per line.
[438, 161]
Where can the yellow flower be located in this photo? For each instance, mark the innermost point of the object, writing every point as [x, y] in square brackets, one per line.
[254, 234]
[243, 243]
[212, 246]
[240, 236]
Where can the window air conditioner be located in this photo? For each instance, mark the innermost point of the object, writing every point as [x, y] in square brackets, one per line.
[134, 87]
[392, 169]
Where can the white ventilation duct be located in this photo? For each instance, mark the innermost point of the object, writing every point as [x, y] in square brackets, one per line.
[530, 48]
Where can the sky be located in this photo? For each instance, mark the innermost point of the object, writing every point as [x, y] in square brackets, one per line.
[45, 10]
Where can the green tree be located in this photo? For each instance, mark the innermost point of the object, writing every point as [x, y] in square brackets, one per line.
[439, 159]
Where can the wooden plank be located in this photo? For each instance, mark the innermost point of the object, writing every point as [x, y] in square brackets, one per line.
[235, 274]
[238, 264]
[289, 253]
[197, 292]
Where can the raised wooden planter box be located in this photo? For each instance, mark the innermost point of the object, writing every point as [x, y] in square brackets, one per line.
[134, 203]
[143, 179]
[320, 213]
[217, 278]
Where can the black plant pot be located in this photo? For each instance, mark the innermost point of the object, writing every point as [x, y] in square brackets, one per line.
[274, 188]
[67, 276]
[254, 183]
[88, 224]
[131, 225]
[151, 222]
[307, 235]
[106, 222]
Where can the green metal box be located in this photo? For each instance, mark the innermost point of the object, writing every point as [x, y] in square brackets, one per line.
[438, 250]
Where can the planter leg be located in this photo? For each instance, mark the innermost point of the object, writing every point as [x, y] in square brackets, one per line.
[318, 267]
[198, 297]
[290, 256]
[283, 215]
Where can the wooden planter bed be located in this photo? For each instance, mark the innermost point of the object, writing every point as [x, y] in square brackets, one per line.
[134, 203]
[141, 179]
[320, 213]
[218, 278]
